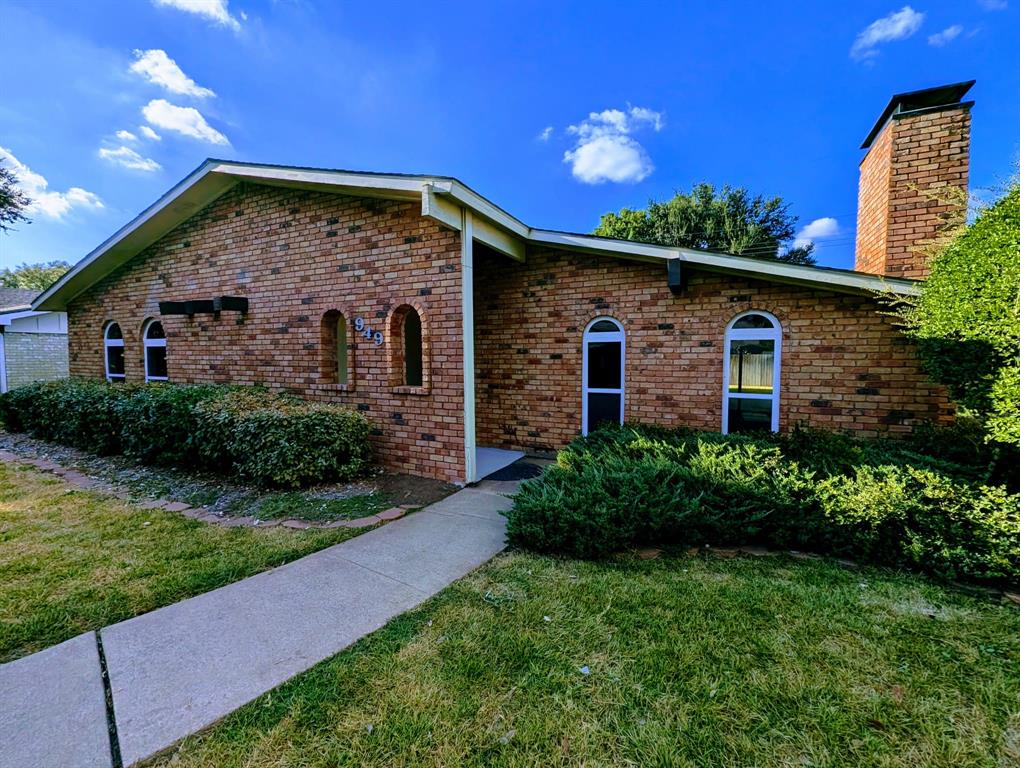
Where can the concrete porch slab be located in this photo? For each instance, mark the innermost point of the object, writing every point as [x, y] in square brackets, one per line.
[53, 708]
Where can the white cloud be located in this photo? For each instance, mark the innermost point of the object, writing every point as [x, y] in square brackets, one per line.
[818, 229]
[128, 158]
[993, 5]
[545, 133]
[214, 10]
[946, 36]
[156, 67]
[605, 149]
[126, 136]
[54, 205]
[187, 121]
[150, 134]
[898, 25]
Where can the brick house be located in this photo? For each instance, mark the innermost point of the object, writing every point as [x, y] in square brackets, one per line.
[33, 345]
[468, 337]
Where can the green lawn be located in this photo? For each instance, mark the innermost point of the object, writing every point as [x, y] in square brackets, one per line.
[691, 662]
[72, 561]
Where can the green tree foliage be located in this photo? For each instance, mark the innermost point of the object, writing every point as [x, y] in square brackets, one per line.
[39, 277]
[967, 320]
[729, 219]
[13, 201]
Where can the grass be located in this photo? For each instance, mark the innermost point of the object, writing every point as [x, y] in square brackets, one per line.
[304, 505]
[691, 662]
[72, 561]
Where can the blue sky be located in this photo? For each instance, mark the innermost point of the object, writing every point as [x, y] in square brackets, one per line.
[557, 112]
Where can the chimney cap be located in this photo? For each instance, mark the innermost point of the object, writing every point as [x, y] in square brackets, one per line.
[913, 101]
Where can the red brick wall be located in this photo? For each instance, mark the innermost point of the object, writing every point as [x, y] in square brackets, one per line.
[873, 205]
[297, 255]
[844, 366]
[901, 199]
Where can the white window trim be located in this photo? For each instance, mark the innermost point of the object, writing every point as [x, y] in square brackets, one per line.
[748, 334]
[107, 343]
[620, 336]
[146, 343]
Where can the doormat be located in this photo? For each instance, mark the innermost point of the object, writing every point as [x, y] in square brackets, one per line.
[519, 470]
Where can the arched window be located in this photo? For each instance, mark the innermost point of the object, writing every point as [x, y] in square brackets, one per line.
[336, 361]
[411, 335]
[113, 352]
[602, 374]
[154, 343]
[751, 373]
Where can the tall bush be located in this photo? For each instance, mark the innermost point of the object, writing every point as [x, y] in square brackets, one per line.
[967, 319]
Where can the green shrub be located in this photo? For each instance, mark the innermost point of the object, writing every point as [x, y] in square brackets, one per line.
[159, 422]
[282, 441]
[79, 412]
[879, 501]
[297, 445]
[267, 439]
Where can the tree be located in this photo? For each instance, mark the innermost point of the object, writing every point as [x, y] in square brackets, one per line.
[967, 319]
[13, 202]
[728, 220]
[38, 277]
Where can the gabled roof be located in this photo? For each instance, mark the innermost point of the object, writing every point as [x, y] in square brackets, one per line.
[443, 198]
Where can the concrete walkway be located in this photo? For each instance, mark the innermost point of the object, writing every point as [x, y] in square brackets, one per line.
[181, 668]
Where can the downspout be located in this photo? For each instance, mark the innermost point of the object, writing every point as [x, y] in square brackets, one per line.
[467, 308]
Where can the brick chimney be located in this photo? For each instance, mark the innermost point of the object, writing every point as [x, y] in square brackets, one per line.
[920, 143]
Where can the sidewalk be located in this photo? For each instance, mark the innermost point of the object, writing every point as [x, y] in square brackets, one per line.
[181, 668]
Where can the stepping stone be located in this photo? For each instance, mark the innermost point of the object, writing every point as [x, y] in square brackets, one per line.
[649, 553]
[362, 522]
[194, 513]
[693, 551]
[154, 504]
[176, 506]
[1012, 597]
[7, 456]
[53, 708]
[298, 525]
[236, 522]
[266, 523]
[392, 514]
[756, 551]
[724, 552]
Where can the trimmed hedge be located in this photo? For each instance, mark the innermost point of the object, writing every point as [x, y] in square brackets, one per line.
[817, 491]
[267, 439]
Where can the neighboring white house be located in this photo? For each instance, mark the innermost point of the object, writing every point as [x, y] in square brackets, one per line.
[33, 345]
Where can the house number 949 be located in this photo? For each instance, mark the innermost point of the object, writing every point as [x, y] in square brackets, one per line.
[368, 333]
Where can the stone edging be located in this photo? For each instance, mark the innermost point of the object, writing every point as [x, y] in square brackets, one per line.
[84, 482]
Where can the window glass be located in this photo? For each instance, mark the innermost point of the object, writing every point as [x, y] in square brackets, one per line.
[155, 360]
[604, 326]
[115, 362]
[412, 349]
[753, 321]
[155, 330]
[604, 364]
[113, 346]
[603, 408]
[750, 414]
[752, 366]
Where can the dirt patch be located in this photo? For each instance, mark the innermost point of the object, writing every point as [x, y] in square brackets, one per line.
[374, 493]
